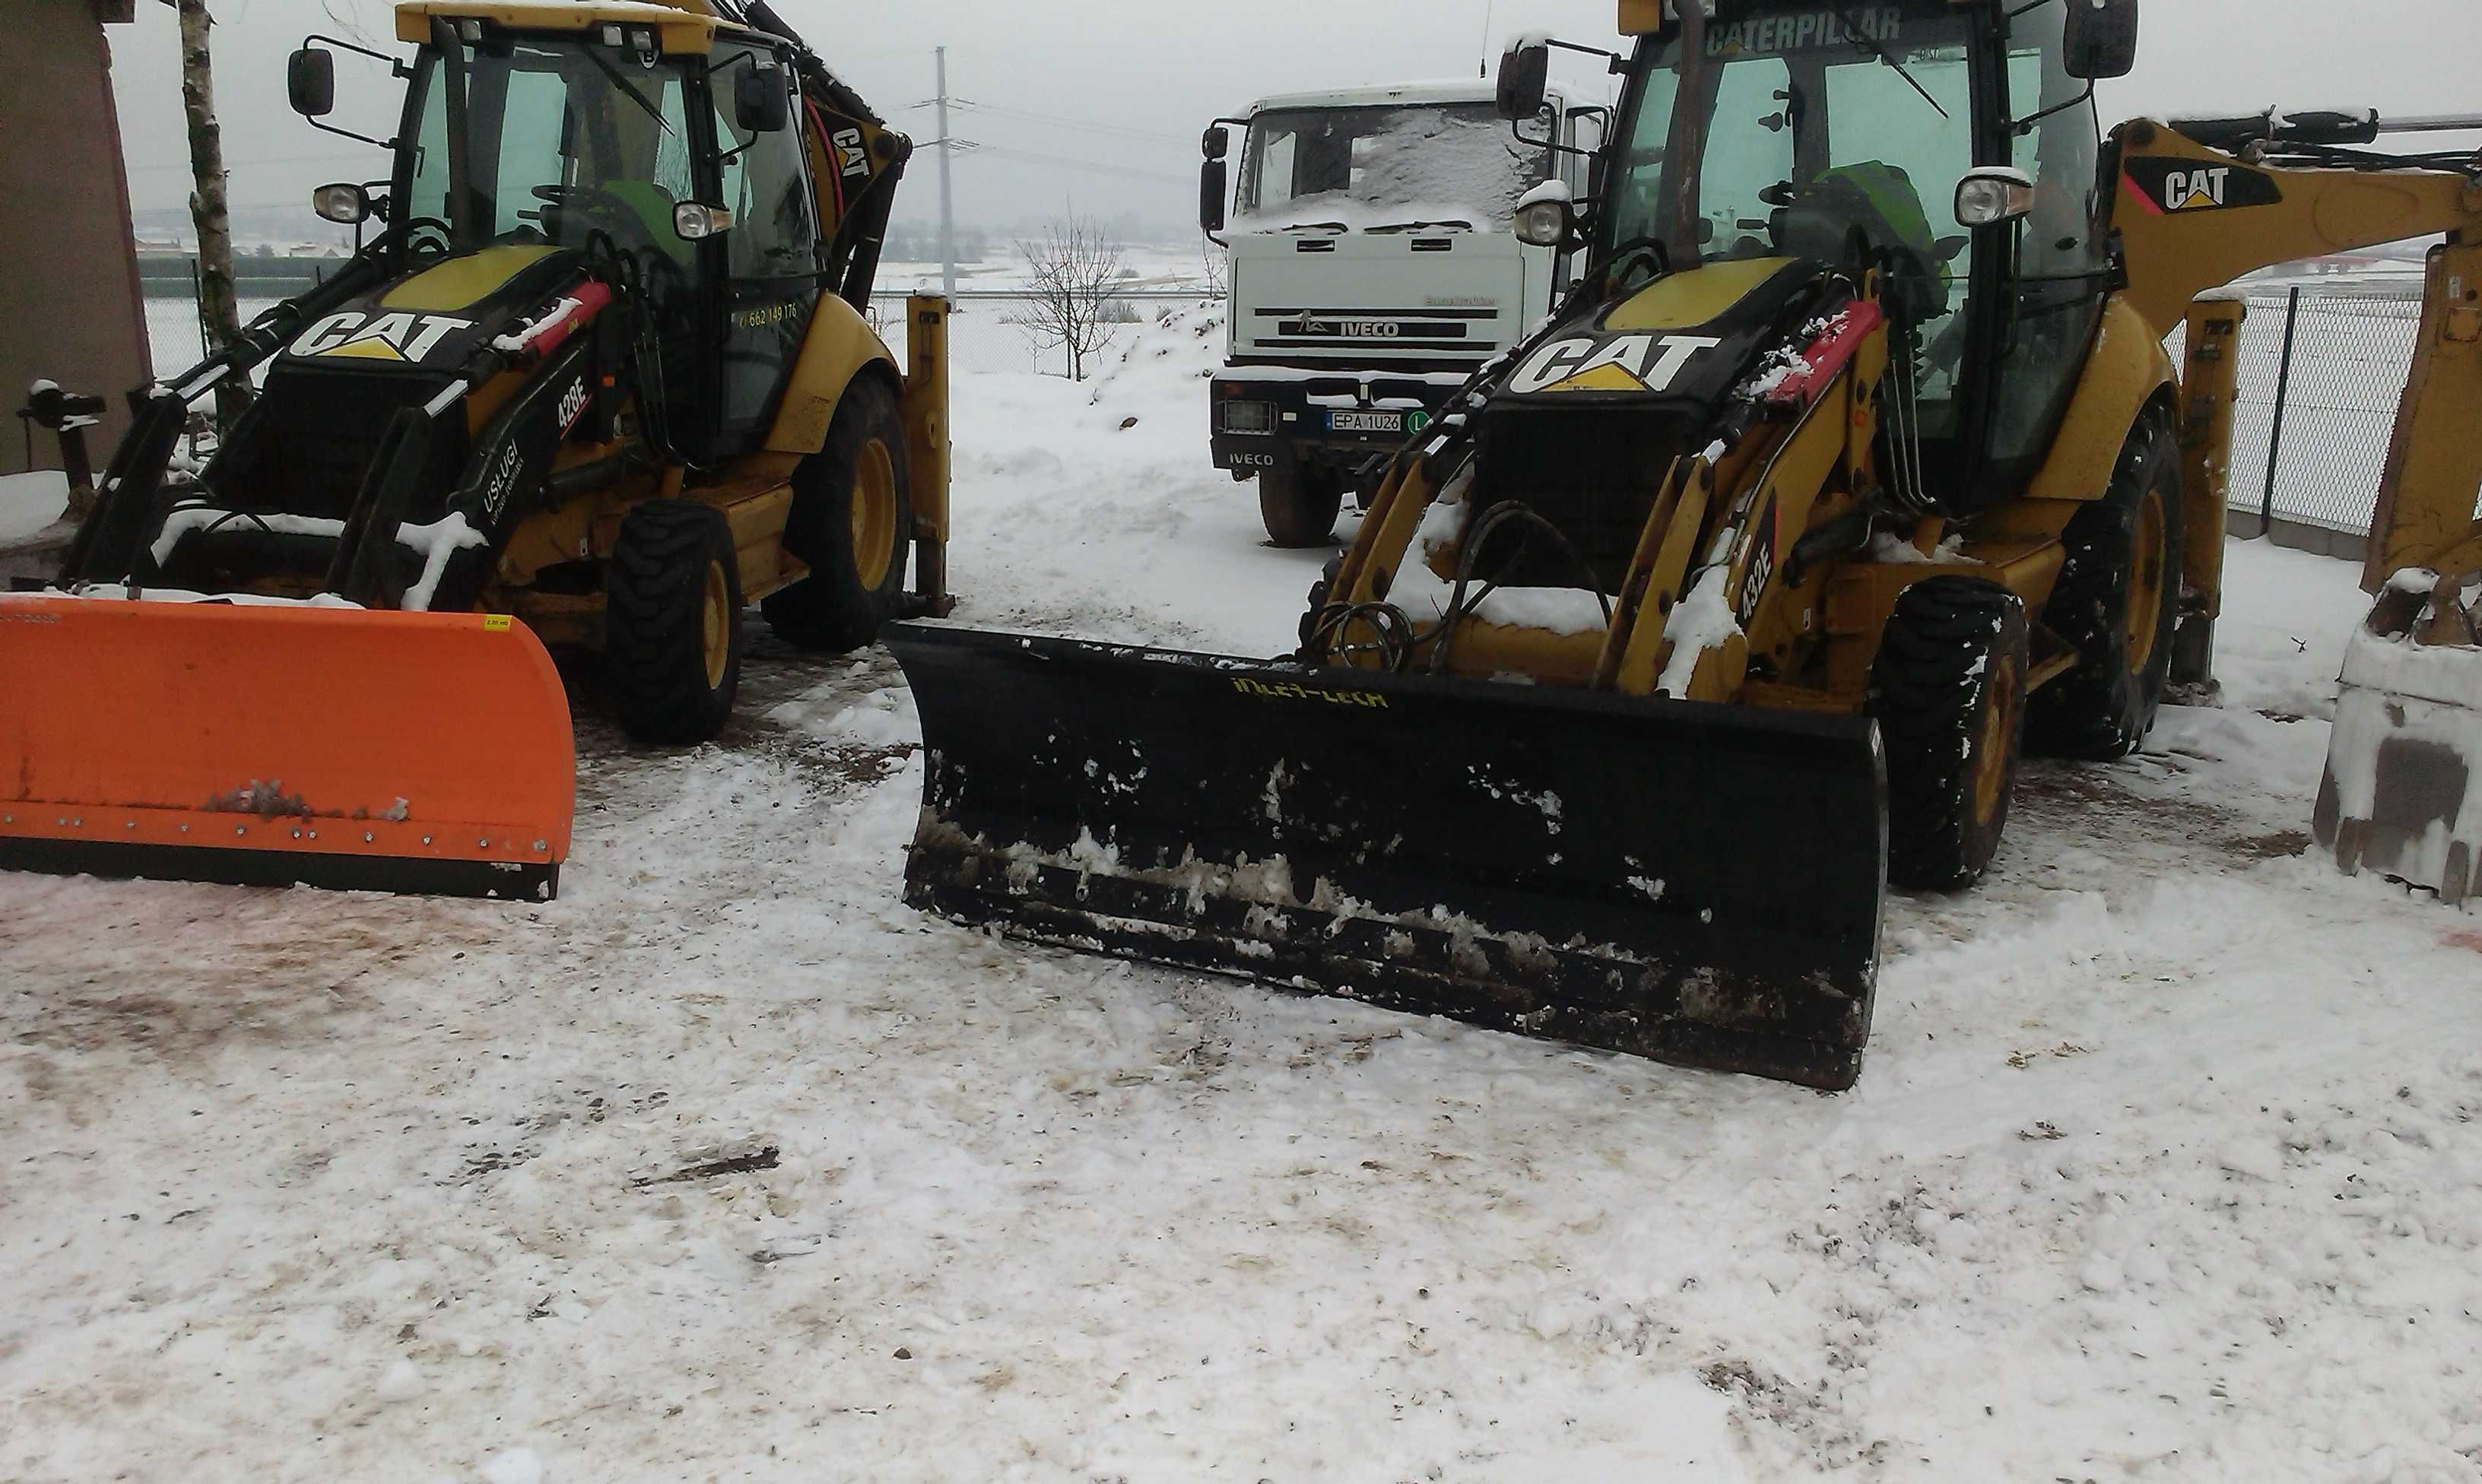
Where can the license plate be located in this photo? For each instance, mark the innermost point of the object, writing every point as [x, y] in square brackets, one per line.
[1366, 422]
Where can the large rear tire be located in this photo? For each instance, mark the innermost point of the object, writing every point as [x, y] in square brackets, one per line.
[853, 524]
[672, 622]
[2117, 604]
[1300, 505]
[1948, 690]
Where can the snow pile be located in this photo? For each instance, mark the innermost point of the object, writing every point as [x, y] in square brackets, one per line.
[437, 542]
[882, 718]
[30, 501]
[553, 320]
[1702, 621]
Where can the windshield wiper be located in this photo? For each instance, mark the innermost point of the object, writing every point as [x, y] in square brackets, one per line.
[631, 89]
[1872, 45]
[1419, 226]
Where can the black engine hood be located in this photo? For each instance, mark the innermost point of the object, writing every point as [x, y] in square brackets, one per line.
[1686, 341]
[434, 318]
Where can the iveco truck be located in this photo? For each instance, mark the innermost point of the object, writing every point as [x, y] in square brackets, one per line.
[1372, 269]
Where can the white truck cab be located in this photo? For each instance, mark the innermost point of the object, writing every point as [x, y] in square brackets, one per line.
[1372, 270]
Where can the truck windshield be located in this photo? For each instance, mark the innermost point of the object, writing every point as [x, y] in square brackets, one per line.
[560, 143]
[1383, 166]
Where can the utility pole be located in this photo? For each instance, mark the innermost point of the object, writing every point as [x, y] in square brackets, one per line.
[947, 214]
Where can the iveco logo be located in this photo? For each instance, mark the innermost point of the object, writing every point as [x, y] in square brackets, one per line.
[1353, 329]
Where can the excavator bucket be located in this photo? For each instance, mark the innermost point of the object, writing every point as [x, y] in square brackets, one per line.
[2402, 795]
[276, 744]
[1699, 884]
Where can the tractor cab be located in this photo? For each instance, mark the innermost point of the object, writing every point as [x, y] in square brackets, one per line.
[1951, 147]
[663, 156]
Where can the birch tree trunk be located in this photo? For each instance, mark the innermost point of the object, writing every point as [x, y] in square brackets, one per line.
[219, 302]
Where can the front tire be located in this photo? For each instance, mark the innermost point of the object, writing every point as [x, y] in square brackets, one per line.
[2117, 603]
[852, 523]
[672, 622]
[1948, 690]
[1300, 505]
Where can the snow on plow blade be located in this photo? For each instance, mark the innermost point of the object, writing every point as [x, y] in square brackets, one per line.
[2402, 795]
[271, 745]
[1698, 884]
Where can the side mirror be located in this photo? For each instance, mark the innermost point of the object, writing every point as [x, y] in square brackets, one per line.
[1524, 77]
[697, 221]
[758, 102]
[1994, 197]
[1216, 142]
[345, 204]
[2101, 40]
[1547, 215]
[1214, 180]
[310, 82]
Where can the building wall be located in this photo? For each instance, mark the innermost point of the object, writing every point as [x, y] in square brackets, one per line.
[69, 307]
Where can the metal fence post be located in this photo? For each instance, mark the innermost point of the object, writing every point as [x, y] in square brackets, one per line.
[2282, 395]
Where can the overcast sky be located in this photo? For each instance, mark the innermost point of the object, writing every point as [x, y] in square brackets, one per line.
[1116, 91]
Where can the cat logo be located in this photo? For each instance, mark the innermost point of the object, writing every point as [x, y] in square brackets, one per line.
[1619, 363]
[377, 337]
[2198, 190]
[851, 158]
[2165, 186]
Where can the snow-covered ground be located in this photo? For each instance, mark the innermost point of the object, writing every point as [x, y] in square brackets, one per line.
[728, 1165]
[30, 501]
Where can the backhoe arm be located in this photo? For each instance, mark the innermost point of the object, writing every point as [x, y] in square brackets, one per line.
[2191, 218]
[2426, 514]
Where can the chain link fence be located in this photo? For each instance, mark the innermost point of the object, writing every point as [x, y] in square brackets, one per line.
[2322, 368]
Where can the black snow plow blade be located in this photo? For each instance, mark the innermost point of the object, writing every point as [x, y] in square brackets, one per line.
[1698, 884]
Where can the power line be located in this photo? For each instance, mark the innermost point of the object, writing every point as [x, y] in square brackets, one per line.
[1059, 120]
[1070, 162]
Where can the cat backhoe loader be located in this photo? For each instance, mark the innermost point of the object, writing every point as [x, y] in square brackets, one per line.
[1854, 461]
[602, 376]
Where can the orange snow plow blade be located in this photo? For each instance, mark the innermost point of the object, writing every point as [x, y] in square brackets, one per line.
[274, 745]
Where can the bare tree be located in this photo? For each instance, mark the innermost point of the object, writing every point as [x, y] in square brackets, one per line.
[219, 300]
[1214, 259]
[1071, 305]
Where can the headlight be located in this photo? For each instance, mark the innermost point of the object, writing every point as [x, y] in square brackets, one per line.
[692, 222]
[1991, 195]
[1248, 416]
[342, 204]
[1543, 224]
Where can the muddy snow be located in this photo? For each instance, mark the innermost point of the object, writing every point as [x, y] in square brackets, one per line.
[728, 1165]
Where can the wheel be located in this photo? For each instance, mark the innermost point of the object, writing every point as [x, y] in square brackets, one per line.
[852, 522]
[1300, 506]
[672, 622]
[2117, 603]
[1948, 690]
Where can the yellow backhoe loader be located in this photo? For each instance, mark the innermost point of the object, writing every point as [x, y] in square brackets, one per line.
[604, 375]
[1854, 460]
